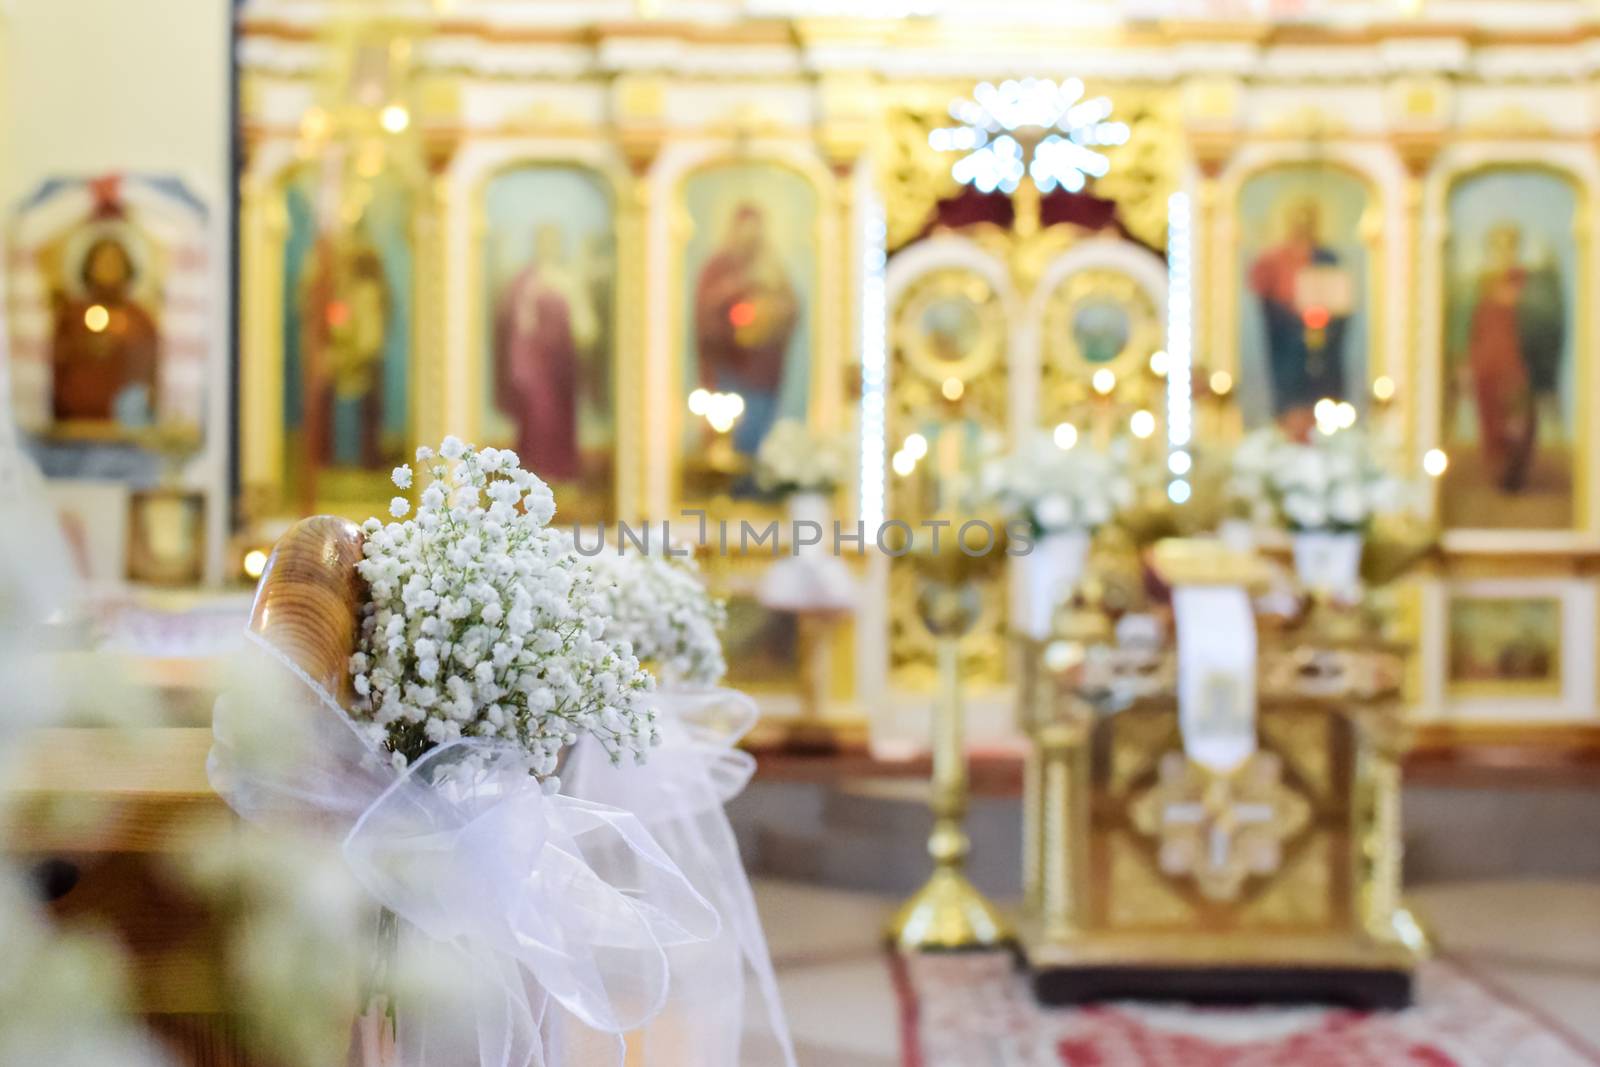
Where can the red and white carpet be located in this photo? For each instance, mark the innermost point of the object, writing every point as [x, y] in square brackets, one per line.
[977, 1011]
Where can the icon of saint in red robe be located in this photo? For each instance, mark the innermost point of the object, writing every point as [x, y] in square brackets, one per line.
[544, 325]
[1306, 299]
[1509, 353]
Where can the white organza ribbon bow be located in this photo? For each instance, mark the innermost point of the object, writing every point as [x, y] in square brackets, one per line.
[558, 912]
[678, 795]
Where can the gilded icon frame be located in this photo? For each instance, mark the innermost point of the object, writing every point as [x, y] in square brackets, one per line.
[1370, 226]
[614, 187]
[264, 228]
[1501, 702]
[1060, 342]
[671, 416]
[1584, 528]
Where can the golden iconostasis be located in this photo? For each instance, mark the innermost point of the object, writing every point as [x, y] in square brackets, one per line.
[587, 241]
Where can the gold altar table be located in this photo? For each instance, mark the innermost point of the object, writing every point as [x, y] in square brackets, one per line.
[1148, 876]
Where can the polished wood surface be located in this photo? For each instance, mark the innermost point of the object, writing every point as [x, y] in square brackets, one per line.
[106, 790]
[1486, 757]
[309, 600]
[107, 818]
[1505, 755]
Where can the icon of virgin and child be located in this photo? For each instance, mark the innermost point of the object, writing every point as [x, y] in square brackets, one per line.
[746, 311]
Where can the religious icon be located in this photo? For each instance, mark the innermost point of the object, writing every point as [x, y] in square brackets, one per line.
[1500, 644]
[1303, 333]
[951, 328]
[166, 536]
[105, 342]
[751, 263]
[347, 342]
[745, 311]
[1509, 351]
[550, 271]
[97, 360]
[1101, 317]
[1101, 328]
[763, 645]
[344, 326]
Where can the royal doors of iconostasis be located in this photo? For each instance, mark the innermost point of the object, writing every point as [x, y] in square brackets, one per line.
[989, 343]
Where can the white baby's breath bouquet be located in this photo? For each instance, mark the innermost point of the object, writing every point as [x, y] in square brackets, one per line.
[659, 605]
[792, 460]
[1332, 483]
[484, 622]
[1057, 489]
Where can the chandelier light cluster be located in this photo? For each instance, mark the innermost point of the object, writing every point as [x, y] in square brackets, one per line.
[1032, 128]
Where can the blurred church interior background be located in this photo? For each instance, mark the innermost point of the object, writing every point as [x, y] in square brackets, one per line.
[1254, 340]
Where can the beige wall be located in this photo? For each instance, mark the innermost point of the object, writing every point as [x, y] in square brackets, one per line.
[95, 85]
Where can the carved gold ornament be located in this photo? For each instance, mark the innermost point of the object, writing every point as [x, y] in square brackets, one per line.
[951, 326]
[1220, 830]
[1141, 172]
[947, 343]
[1101, 318]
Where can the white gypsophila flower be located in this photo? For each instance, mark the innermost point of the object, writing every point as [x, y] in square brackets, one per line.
[484, 622]
[1057, 489]
[660, 606]
[792, 459]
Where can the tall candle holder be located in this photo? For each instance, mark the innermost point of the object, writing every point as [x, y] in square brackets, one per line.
[949, 912]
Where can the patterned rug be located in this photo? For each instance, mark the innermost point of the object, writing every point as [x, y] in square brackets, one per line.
[977, 1011]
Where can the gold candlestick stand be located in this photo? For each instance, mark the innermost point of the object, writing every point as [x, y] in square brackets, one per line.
[949, 912]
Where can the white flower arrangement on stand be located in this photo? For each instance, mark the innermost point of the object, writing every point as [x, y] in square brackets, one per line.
[659, 605]
[1064, 495]
[806, 469]
[1247, 504]
[484, 623]
[1325, 491]
[793, 460]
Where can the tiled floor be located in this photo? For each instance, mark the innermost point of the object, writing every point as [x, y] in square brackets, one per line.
[1538, 940]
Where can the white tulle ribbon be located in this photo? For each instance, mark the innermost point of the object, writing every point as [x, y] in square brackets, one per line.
[563, 915]
[679, 796]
